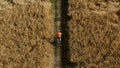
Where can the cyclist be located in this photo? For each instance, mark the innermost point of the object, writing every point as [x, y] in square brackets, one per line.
[59, 34]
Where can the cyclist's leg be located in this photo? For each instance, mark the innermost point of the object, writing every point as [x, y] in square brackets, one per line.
[57, 40]
[60, 39]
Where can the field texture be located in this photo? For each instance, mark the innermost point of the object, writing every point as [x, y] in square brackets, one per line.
[94, 33]
[26, 33]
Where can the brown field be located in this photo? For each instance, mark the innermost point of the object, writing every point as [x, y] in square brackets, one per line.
[91, 34]
[26, 33]
[94, 33]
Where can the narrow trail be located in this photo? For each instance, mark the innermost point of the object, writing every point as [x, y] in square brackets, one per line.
[58, 61]
[58, 57]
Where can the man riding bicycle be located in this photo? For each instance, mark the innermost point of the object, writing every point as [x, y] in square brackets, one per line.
[59, 34]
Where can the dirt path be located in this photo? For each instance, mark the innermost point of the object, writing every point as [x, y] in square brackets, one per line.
[58, 63]
[58, 57]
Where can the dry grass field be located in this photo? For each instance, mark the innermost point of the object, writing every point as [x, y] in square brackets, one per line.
[26, 33]
[91, 33]
[94, 32]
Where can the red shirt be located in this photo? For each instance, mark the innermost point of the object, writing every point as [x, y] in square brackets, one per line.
[59, 34]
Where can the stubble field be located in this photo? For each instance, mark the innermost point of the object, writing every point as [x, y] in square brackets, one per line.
[91, 36]
[94, 33]
[26, 35]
